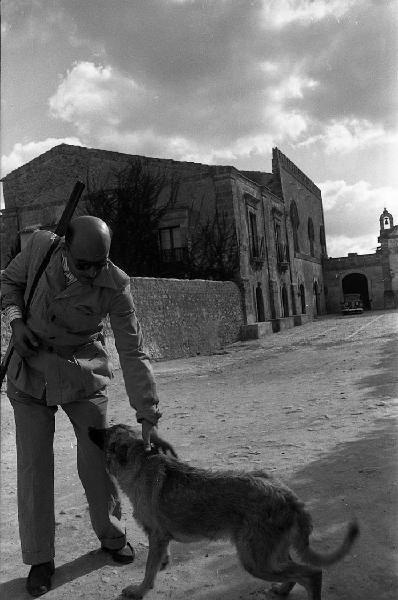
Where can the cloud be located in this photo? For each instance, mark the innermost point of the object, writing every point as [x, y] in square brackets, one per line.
[93, 95]
[148, 143]
[352, 214]
[282, 13]
[23, 153]
[341, 245]
[110, 108]
[349, 135]
[220, 81]
[208, 73]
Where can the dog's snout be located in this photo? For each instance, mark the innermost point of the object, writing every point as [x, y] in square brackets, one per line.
[98, 436]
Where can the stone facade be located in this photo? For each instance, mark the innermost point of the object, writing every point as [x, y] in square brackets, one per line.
[277, 218]
[373, 276]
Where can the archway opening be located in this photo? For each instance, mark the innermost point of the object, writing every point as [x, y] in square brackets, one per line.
[302, 299]
[260, 303]
[316, 299]
[285, 302]
[356, 283]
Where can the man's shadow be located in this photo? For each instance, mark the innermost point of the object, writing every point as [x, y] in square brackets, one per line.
[15, 589]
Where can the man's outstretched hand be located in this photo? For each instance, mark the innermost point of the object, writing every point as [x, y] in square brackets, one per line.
[150, 436]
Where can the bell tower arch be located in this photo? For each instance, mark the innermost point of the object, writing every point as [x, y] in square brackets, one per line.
[386, 221]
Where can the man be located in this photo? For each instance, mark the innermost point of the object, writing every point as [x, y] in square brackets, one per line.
[59, 359]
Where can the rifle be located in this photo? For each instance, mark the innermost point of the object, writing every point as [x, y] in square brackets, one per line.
[59, 231]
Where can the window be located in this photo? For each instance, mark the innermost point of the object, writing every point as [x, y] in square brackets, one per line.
[285, 302]
[311, 236]
[171, 246]
[281, 247]
[294, 218]
[253, 235]
[322, 240]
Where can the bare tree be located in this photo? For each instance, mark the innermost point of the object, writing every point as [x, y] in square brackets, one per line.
[133, 208]
[213, 248]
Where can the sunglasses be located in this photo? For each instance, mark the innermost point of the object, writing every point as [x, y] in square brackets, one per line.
[85, 265]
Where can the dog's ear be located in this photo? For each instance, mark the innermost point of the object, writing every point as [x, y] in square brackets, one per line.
[120, 452]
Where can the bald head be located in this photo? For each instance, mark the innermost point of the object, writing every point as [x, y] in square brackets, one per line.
[88, 236]
[88, 242]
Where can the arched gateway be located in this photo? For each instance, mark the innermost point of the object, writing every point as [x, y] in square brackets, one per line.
[357, 283]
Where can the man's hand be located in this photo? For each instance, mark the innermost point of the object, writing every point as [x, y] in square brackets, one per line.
[150, 435]
[24, 340]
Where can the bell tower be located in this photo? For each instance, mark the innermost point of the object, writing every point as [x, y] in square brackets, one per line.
[386, 221]
[386, 253]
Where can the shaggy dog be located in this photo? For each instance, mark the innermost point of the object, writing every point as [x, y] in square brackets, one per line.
[175, 501]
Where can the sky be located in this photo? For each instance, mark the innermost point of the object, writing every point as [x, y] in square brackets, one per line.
[217, 82]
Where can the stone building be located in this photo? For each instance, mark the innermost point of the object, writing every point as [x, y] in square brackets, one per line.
[373, 276]
[277, 218]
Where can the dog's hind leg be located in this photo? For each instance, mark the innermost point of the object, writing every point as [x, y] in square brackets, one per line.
[158, 545]
[259, 563]
[283, 589]
[308, 577]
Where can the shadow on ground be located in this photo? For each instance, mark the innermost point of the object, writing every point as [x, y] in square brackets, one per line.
[357, 480]
[384, 380]
[73, 570]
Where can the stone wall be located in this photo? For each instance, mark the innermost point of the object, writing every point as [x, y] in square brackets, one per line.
[368, 265]
[179, 317]
[185, 317]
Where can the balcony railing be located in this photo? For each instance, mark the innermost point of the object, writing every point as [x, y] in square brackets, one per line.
[173, 255]
[282, 254]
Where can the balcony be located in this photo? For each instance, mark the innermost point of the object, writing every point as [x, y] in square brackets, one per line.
[173, 255]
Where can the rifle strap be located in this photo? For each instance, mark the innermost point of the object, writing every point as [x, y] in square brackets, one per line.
[40, 272]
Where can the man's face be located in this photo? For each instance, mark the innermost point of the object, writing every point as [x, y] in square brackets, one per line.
[86, 263]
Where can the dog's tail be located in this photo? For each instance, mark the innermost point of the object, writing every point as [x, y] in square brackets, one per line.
[317, 559]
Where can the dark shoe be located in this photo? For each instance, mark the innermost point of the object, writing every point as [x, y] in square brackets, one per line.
[123, 555]
[39, 579]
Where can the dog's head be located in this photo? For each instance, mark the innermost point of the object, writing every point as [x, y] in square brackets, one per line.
[116, 442]
[120, 443]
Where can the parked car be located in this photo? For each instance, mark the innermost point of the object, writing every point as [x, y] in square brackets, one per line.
[352, 304]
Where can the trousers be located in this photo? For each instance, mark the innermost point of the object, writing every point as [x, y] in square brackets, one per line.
[35, 427]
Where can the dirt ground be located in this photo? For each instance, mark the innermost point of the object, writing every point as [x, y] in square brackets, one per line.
[315, 404]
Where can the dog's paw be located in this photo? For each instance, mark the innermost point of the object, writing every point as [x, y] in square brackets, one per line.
[134, 591]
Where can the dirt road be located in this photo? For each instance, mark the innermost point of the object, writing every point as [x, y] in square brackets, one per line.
[315, 404]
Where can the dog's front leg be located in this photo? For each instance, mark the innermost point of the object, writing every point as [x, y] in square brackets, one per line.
[157, 551]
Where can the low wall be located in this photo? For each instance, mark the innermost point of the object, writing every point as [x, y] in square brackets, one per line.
[181, 317]
[178, 317]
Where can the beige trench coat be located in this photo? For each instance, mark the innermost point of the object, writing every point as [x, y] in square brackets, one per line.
[72, 362]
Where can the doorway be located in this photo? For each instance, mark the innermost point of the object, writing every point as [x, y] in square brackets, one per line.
[285, 302]
[260, 303]
[302, 299]
[356, 283]
[316, 299]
